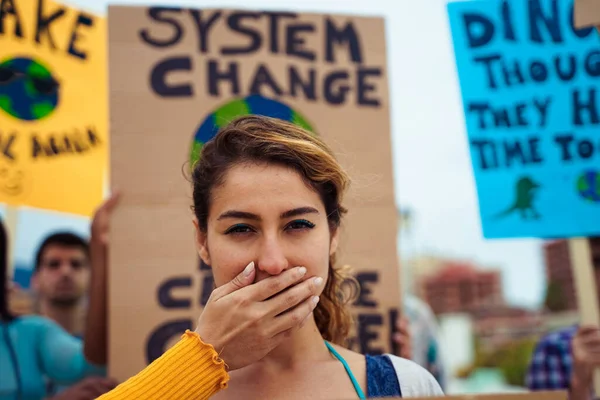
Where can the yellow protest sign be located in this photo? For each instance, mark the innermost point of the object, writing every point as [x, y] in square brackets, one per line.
[53, 106]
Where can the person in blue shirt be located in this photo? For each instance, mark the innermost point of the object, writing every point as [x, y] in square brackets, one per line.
[60, 282]
[33, 347]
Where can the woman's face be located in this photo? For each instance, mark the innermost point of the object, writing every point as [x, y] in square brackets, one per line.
[265, 213]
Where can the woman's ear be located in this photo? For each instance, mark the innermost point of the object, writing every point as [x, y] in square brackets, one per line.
[201, 242]
[335, 236]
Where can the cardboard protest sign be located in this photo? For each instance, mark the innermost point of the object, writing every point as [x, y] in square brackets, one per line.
[53, 111]
[530, 87]
[176, 76]
[587, 13]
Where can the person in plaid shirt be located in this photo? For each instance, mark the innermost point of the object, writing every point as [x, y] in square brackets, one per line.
[566, 359]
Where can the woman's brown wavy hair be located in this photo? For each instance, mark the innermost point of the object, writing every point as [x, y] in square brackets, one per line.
[259, 139]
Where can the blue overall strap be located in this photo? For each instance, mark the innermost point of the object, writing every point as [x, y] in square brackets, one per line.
[337, 355]
[382, 380]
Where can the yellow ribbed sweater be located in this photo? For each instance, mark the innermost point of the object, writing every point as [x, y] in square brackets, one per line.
[191, 369]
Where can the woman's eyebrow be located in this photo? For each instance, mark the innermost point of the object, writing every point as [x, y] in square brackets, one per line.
[298, 211]
[235, 214]
[238, 215]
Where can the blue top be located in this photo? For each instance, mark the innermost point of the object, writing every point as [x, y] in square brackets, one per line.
[33, 348]
[382, 380]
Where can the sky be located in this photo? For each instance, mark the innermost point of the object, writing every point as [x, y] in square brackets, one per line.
[34, 225]
[433, 175]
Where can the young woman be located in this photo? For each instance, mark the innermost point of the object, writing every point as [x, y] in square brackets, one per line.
[269, 193]
[33, 347]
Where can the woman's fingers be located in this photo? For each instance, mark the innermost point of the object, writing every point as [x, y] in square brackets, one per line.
[292, 296]
[274, 284]
[293, 318]
[243, 279]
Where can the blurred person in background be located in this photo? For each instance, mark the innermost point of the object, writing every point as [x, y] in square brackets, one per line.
[61, 280]
[33, 347]
[567, 358]
[417, 337]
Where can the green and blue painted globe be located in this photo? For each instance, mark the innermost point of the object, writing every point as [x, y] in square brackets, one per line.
[251, 105]
[28, 91]
[588, 186]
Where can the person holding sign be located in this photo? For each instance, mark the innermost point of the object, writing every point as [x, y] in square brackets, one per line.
[268, 194]
[566, 359]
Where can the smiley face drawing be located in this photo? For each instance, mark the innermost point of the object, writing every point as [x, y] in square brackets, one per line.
[14, 181]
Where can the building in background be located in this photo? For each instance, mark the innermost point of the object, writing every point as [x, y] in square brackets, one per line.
[460, 287]
[560, 292]
[501, 325]
[423, 267]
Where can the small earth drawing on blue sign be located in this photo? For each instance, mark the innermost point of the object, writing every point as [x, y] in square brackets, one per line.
[588, 186]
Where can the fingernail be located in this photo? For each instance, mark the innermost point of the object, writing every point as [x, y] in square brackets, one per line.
[318, 281]
[315, 300]
[249, 268]
[301, 271]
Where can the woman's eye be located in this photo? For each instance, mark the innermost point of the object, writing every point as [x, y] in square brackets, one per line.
[238, 229]
[300, 224]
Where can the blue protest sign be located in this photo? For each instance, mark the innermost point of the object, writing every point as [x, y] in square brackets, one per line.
[530, 86]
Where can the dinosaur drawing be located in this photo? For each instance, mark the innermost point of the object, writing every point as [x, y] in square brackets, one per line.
[525, 190]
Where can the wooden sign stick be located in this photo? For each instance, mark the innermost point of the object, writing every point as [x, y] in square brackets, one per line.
[585, 287]
[11, 218]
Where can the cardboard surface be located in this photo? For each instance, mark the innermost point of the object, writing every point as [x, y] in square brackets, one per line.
[168, 83]
[587, 13]
[53, 107]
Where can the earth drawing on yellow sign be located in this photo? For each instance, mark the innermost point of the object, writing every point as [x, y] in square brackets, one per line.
[28, 90]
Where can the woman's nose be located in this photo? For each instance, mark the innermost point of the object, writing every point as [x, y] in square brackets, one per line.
[272, 259]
